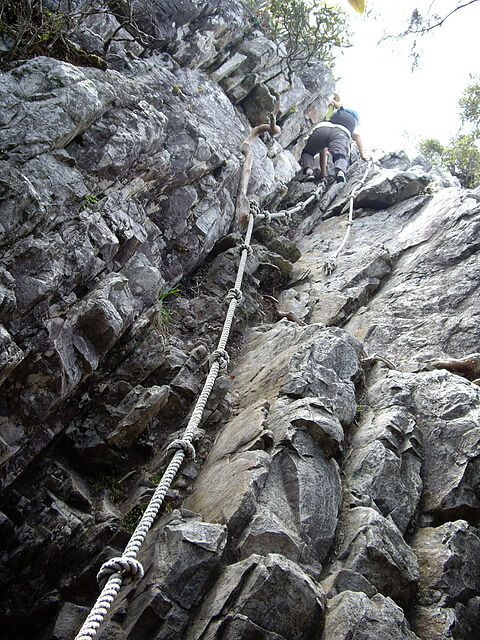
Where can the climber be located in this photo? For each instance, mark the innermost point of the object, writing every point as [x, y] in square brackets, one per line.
[334, 135]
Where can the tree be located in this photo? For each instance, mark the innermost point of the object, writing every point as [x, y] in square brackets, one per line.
[470, 106]
[432, 149]
[31, 28]
[420, 24]
[462, 159]
[462, 155]
[302, 30]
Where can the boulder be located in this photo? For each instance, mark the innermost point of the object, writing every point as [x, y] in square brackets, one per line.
[353, 616]
[270, 594]
[384, 463]
[373, 546]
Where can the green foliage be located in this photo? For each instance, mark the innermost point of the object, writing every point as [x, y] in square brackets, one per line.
[432, 149]
[470, 105]
[106, 478]
[88, 201]
[302, 30]
[30, 30]
[174, 291]
[165, 317]
[462, 158]
[133, 517]
[462, 155]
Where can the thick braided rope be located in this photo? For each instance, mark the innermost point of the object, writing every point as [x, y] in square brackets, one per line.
[330, 264]
[114, 570]
[101, 607]
[114, 582]
[227, 325]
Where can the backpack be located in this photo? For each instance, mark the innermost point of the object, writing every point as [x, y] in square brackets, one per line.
[346, 118]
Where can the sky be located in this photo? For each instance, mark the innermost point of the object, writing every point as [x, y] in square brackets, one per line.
[399, 107]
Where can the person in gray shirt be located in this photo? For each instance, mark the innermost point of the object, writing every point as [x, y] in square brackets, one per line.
[336, 136]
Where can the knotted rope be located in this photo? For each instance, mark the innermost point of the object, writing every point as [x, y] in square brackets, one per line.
[243, 205]
[267, 217]
[114, 571]
[330, 264]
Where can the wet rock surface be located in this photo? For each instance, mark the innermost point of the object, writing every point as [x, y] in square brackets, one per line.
[335, 489]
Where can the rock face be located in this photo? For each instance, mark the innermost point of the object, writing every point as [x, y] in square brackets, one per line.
[335, 489]
[275, 457]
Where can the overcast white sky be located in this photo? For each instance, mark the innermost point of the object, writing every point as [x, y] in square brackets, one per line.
[399, 107]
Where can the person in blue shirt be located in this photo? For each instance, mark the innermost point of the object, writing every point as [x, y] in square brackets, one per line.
[336, 136]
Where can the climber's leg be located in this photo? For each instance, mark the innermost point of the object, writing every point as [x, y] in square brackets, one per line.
[315, 143]
[339, 146]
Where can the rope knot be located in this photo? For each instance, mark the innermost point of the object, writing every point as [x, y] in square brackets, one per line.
[220, 356]
[122, 565]
[254, 207]
[244, 246]
[329, 266]
[234, 293]
[267, 216]
[186, 446]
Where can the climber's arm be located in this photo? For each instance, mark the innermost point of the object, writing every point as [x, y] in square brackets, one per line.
[359, 142]
[323, 161]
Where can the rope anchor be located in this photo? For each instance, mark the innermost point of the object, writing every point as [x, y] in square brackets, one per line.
[329, 266]
[246, 247]
[234, 294]
[221, 356]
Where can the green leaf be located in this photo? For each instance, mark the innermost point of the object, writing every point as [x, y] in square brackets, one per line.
[358, 5]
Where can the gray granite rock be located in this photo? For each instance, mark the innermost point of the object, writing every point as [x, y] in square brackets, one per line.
[315, 458]
[373, 546]
[448, 560]
[387, 189]
[354, 616]
[448, 586]
[270, 594]
[383, 465]
[451, 444]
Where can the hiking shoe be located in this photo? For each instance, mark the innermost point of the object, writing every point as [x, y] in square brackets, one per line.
[340, 176]
[308, 176]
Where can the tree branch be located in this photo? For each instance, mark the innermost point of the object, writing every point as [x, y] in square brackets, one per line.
[442, 20]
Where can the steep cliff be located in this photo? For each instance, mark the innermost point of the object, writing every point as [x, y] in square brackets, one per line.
[335, 489]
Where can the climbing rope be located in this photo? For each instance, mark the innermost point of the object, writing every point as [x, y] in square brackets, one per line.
[113, 572]
[243, 204]
[330, 264]
[266, 216]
